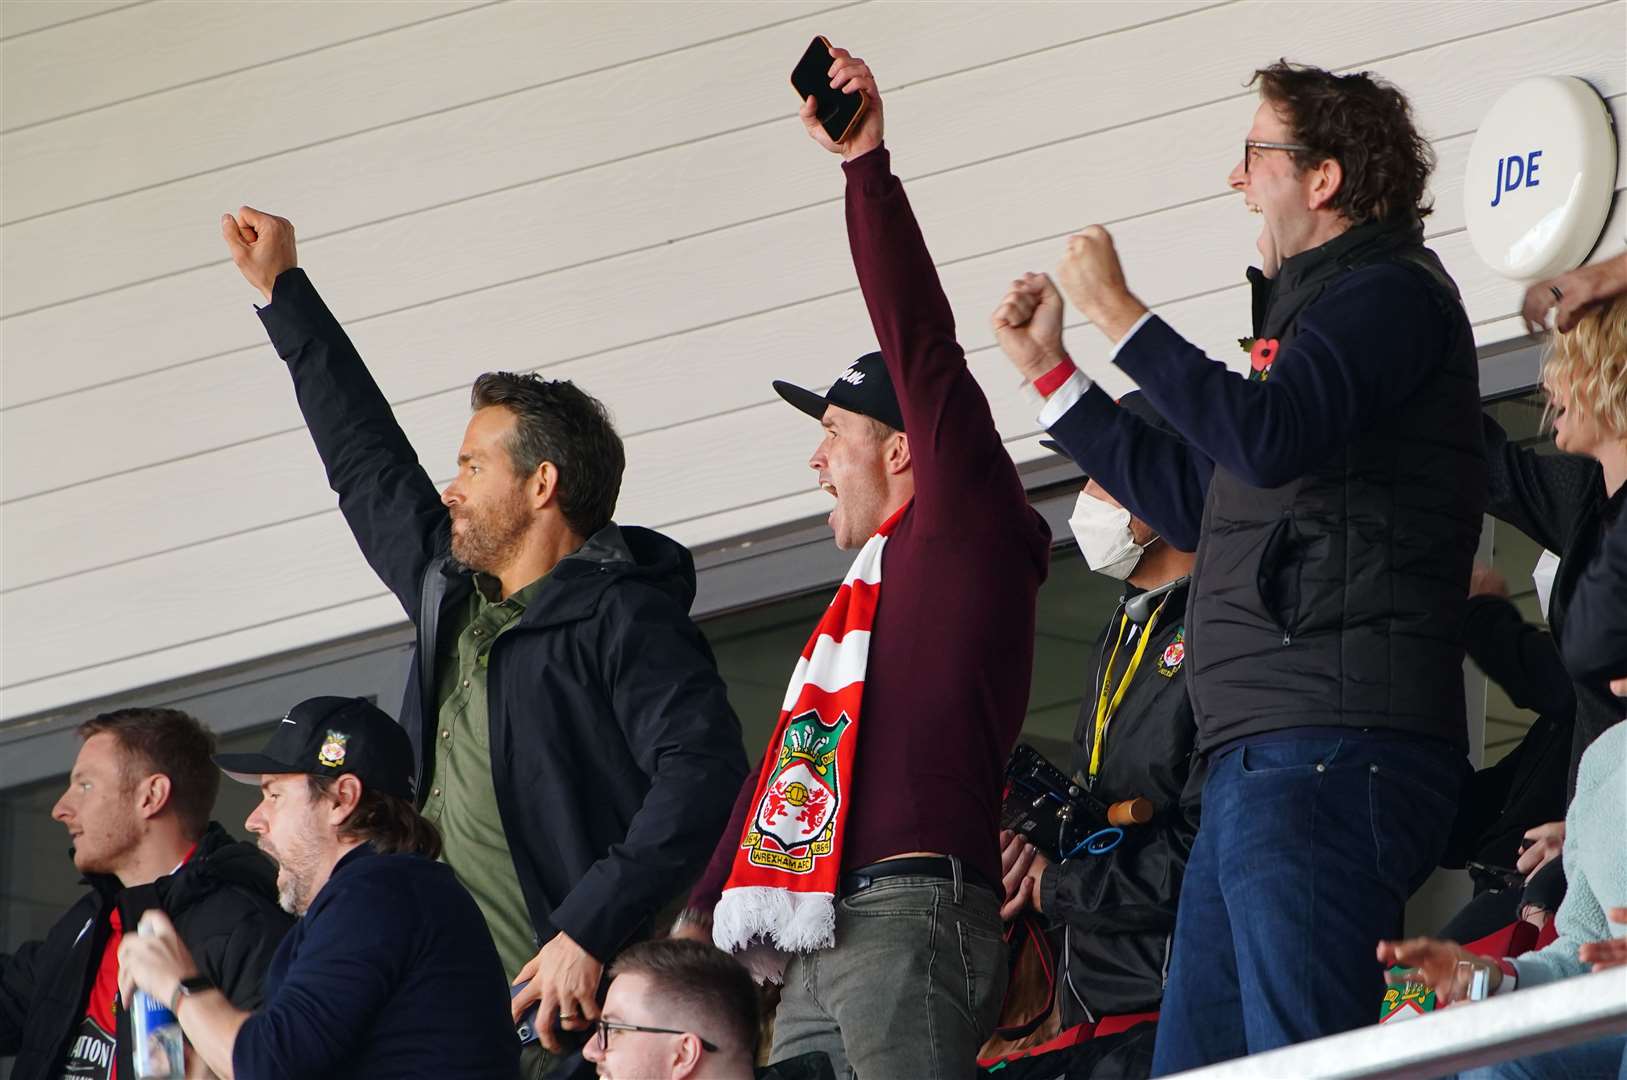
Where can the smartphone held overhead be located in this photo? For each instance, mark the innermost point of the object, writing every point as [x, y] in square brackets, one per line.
[838, 112]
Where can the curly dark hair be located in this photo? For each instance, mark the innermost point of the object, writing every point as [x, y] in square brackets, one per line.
[559, 422]
[1363, 123]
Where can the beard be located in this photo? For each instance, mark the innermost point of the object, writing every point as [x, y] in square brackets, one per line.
[491, 536]
[296, 870]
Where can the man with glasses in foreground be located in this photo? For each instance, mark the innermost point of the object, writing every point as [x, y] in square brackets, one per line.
[684, 1010]
[1346, 479]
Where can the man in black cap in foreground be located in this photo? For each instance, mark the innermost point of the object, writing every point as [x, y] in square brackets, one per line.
[390, 971]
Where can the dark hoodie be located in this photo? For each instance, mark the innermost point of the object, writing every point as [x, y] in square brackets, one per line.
[615, 754]
[223, 903]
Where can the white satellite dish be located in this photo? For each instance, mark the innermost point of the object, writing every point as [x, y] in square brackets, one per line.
[1540, 177]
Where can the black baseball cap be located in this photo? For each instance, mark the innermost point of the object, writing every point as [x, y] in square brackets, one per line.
[332, 736]
[1136, 402]
[865, 387]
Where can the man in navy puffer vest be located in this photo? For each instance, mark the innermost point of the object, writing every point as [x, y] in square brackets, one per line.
[1342, 482]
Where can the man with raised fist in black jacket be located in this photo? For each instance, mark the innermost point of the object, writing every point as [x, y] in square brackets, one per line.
[574, 743]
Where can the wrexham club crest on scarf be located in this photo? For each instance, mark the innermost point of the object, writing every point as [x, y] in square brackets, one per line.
[797, 815]
[781, 893]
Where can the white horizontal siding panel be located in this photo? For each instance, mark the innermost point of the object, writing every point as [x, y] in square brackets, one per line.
[227, 491]
[383, 79]
[698, 191]
[247, 486]
[762, 428]
[685, 108]
[317, 588]
[185, 597]
[141, 50]
[1191, 251]
[218, 651]
[18, 17]
[182, 598]
[1044, 191]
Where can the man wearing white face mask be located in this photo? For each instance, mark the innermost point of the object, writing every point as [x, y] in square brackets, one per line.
[1113, 915]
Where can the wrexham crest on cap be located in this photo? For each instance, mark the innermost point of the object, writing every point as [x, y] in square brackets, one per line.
[332, 753]
[797, 814]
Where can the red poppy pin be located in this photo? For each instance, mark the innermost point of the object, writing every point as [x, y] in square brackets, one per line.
[1261, 357]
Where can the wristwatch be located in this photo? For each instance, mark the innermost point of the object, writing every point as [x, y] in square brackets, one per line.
[193, 984]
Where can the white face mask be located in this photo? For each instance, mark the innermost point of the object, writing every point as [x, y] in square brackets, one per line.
[1103, 533]
[1543, 578]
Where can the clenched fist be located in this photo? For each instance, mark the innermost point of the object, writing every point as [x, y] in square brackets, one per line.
[1091, 277]
[850, 75]
[1028, 325]
[262, 246]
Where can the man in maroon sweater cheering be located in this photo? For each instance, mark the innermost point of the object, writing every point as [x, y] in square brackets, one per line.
[877, 903]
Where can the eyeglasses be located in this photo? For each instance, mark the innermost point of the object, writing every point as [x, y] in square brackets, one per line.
[603, 1028]
[1257, 144]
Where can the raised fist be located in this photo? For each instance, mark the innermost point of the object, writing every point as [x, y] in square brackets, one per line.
[850, 75]
[1028, 325]
[262, 246]
[1090, 269]
[1092, 279]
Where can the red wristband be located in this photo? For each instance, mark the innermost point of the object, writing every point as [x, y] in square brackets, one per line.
[1048, 383]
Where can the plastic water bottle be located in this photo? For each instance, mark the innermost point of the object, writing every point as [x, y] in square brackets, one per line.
[159, 1052]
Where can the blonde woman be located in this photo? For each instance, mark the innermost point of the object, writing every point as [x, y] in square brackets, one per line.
[1572, 504]
[1592, 359]
[1587, 371]
[1568, 502]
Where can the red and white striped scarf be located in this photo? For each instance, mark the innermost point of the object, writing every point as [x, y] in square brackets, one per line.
[781, 893]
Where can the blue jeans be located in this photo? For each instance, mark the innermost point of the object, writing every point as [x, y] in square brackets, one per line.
[1602, 1059]
[1308, 848]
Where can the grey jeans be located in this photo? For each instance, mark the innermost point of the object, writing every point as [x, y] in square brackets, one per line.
[911, 989]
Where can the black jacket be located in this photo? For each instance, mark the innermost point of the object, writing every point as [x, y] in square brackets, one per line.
[1117, 910]
[223, 903]
[1527, 787]
[1559, 501]
[615, 754]
[1596, 637]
